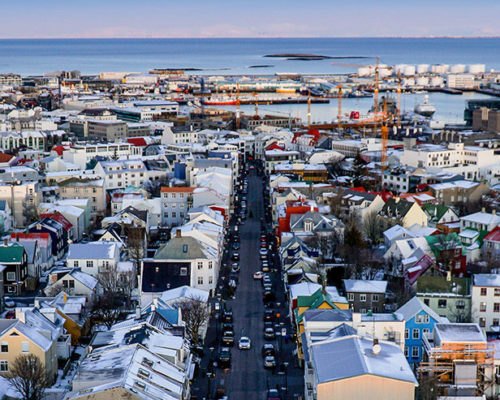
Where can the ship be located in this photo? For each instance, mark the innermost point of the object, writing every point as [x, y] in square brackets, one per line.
[425, 109]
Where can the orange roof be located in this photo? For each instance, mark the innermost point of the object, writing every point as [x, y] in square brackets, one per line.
[178, 189]
[5, 157]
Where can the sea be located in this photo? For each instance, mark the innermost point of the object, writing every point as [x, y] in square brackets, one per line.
[247, 57]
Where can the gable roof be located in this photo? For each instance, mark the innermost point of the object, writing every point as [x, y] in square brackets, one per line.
[494, 235]
[92, 250]
[365, 286]
[12, 253]
[436, 211]
[397, 208]
[413, 306]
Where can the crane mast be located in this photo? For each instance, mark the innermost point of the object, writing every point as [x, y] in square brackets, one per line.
[375, 90]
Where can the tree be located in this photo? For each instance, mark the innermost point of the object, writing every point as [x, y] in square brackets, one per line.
[371, 227]
[116, 285]
[135, 245]
[106, 309]
[359, 170]
[28, 375]
[195, 314]
[427, 387]
[30, 213]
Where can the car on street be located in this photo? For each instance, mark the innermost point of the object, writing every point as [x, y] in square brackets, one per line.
[268, 287]
[269, 334]
[268, 350]
[236, 256]
[225, 357]
[236, 246]
[273, 394]
[268, 315]
[227, 326]
[258, 275]
[269, 296]
[235, 267]
[228, 338]
[263, 244]
[263, 252]
[244, 343]
[234, 275]
[269, 362]
[227, 317]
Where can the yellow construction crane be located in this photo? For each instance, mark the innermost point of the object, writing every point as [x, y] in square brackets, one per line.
[384, 134]
[237, 106]
[375, 89]
[339, 105]
[398, 111]
[309, 109]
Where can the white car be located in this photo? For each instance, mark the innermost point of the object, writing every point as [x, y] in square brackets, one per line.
[258, 275]
[244, 343]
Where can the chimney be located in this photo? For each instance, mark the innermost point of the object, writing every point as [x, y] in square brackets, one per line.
[356, 320]
[178, 233]
[494, 212]
[21, 315]
[37, 303]
[312, 207]
[65, 298]
[5, 242]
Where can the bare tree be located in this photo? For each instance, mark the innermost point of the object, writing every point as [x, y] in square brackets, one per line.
[427, 387]
[371, 227]
[29, 376]
[106, 310]
[195, 314]
[117, 283]
[135, 245]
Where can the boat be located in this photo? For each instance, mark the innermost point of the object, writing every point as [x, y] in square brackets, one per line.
[358, 94]
[425, 108]
[220, 101]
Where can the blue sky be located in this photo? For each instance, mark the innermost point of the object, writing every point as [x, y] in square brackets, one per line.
[245, 18]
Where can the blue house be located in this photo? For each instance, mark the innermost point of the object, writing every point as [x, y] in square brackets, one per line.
[420, 320]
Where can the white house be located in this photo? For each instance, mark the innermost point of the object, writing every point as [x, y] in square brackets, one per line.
[93, 257]
[485, 307]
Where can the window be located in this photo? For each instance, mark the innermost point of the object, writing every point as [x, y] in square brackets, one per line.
[174, 215]
[351, 296]
[11, 276]
[200, 280]
[90, 264]
[4, 347]
[442, 303]
[25, 347]
[482, 322]
[484, 291]
[460, 304]
[200, 265]
[495, 322]
[497, 291]
[183, 271]
[482, 306]
[422, 319]
[210, 264]
[210, 280]
[415, 333]
[415, 352]
[4, 366]
[406, 351]
[496, 307]
[72, 284]
[425, 331]
[407, 333]
[426, 302]
[362, 297]
[374, 297]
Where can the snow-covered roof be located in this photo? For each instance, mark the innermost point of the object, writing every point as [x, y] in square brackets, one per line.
[413, 306]
[490, 280]
[354, 356]
[92, 251]
[85, 279]
[482, 218]
[185, 292]
[364, 286]
[464, 332]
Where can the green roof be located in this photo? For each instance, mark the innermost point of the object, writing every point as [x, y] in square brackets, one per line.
[312, 302]
[436, 242]
[439, 284]
[183, 248]
[11, 254]
[435, 212]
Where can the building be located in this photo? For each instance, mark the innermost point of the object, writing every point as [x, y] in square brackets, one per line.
[122, 173]
[275, 157]
[420, 320]
[356, 368]
[14, 258]
[80, 154]
[397, 211]
[91, 189]
[22, 198]
[111, 131]
[175, 204]
[460, 81]
[93, 258]
[485, 309]
[365, 295]
[458, 192]
[491, 245]
[480, 221]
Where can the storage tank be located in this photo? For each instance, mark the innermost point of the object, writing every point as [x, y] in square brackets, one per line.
[422, 68]
[384, 72]
[440, 68]
[408, 82]
[409, 70]
[477, 68]
[423, 81]
[457, 69]
[364, 71]
[436, 81]
[399, 69]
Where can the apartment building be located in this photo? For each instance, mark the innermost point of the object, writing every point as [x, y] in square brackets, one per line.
[175, 204]
[81, 154]
[107, 129]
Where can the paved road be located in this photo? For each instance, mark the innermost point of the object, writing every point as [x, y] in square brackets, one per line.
[248, 379]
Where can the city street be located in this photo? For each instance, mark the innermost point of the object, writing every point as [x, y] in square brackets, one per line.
[247, 378]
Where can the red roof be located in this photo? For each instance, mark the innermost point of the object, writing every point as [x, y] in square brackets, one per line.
[30, 235]
[494, 235]
[177, 189]
[5, 157]
[57, 216]
[137, 141]
[275, 146]
[358, 189]
[60, 149]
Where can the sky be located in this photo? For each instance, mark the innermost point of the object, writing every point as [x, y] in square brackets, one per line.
[248, 18]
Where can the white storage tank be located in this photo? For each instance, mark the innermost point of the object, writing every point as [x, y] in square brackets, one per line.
[436, 81]
[399, 69]
[440, 68]
[423, 81]
[407, 82]
[384, 72]
[364, 71]
[458, 69]
[409, 70]
[422, 68]
[477, 68]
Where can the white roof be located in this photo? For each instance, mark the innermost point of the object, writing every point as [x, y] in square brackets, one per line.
[185, 292]
[459, 333]
[85, 279]
[413, 306]
[93, 251]
[482, 218]
[491, 280]
[362, 286]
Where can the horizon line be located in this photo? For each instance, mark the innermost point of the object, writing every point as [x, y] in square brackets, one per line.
[254, 37]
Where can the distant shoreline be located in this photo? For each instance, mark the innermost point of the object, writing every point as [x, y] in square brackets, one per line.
[253, 38]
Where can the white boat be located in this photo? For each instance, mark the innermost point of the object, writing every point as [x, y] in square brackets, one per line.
[425, 109]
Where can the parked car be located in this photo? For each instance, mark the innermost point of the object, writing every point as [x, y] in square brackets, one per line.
[236, 256]
[244, 343]
[268, 315]
[269, 334]
[269, 296]
[269, 362]
[9, 302]
[268, 350]
[228, 338]
[273, 394]
[235, 267]
[258, 275]
[225, 357]
[227, 316]
[236, 245]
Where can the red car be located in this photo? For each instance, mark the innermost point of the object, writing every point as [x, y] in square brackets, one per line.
[10, 314]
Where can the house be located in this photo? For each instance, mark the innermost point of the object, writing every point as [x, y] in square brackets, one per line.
[439, 214]
[43, 241]
[363, 369]
[34, 263]
[402, 212]
[175, 204]
[13, 256]
[461, 359]
[448, 297]
[458, 192]
[33, 333]
[365, 295]
[57, 232]
[132, 372]
[182, 261]
[420, 320]
[396, 232]
[449, 253]
[313, 222]
[491, 246]
[485, 306]
[75, 283]
[93, 257]
[480, 221]
[86, 188]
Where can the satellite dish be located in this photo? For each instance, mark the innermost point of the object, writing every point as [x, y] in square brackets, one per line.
[376, 348]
